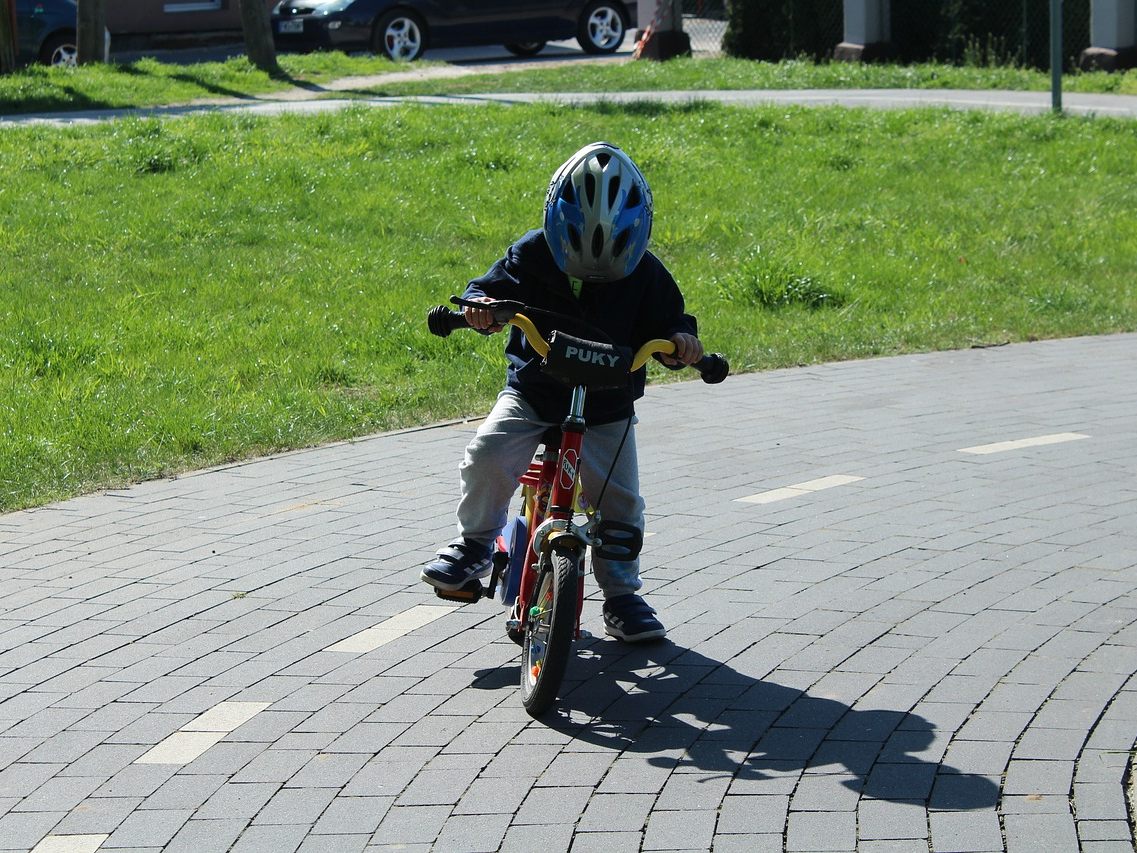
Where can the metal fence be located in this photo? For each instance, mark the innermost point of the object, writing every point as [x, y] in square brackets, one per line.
[705, 22]
[961, 32]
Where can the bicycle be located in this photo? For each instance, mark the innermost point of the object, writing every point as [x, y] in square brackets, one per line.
[538, 559]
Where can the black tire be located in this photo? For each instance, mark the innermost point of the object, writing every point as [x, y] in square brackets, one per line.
[59, 49]
[549, 632]
[529, 48]
[601, 27]
[399, 35]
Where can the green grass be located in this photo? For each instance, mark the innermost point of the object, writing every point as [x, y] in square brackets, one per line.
[178, 293]
[685, 74]
[147, 83]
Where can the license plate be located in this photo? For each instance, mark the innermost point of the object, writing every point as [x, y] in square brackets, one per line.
[290, 27]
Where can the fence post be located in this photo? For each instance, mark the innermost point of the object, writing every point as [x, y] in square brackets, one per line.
[1113, 36]
[1056, 55]
[868, 30]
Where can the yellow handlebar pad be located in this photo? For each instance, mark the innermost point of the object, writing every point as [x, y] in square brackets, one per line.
[656, 345]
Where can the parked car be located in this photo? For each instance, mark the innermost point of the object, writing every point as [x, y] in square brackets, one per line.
[403, 29]
[45, 32]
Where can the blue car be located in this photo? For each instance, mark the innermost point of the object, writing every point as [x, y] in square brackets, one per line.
[402, 29]
[45, 32]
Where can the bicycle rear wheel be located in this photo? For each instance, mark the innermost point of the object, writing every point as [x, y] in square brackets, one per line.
[549, 631]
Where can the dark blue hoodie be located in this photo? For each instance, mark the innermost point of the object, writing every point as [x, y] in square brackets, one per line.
[645, 305]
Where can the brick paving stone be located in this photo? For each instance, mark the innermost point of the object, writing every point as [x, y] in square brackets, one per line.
[752, 815]
[473, 833]
[149, 828]
[411, 825]
[242, 799]
[295, 805]
[196, 835]
[270, 839]
[353, 815]
[334, 844]
[818, 831]
[880, 820]
[606, 842]
[526, 838]
[1038, 777]
[863, 659]
[966, 832]
[679, 830]
[23, 830]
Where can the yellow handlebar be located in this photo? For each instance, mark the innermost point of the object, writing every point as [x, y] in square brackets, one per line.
[531, 334]
[656, 345]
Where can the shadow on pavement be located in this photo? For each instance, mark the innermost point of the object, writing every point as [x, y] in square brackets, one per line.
[683, 709]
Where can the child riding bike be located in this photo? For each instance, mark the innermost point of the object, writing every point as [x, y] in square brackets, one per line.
[589, 261]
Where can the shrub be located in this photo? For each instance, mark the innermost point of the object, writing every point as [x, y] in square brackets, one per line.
[978, 32]
[783, 29]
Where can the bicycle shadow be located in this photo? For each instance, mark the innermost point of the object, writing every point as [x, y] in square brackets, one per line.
[685, 710]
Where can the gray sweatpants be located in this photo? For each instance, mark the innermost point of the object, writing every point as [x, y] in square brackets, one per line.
[500, 453]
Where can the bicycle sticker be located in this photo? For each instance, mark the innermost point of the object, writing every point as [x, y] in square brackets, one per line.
[568, 469]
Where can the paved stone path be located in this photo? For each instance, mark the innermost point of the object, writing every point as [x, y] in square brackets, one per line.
[324, 99]
[916, 632]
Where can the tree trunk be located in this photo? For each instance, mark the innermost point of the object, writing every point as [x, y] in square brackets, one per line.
[258, 36]
[92, 32]
[7, 36]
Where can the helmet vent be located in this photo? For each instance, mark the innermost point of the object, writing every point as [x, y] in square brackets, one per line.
[568, 192]
[603, 158]
[574, 238]
[634, 197]
[613, 192]
[597, 241]
[590, 189]
[620, 243]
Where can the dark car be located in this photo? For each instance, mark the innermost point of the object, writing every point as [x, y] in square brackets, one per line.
[45, 31]
[403, 29]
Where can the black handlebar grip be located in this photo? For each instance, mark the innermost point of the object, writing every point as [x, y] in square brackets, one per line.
[714, 368]
[442, 321]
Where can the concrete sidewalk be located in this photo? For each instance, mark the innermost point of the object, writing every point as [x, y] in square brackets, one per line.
[903, 609]
[324, 99]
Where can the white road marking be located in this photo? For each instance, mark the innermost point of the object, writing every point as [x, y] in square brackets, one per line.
[225, 717]
[202, 732]
[1037, 441]
[397, 626]
[70, 844]
[799, 489]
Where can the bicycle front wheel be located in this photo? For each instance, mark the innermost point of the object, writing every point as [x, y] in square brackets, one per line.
[549, 631]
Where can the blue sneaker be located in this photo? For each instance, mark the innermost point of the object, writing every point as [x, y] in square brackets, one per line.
[457, 564]
[631, 619]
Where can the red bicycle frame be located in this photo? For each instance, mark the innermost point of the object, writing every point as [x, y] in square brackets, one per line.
[555, 479]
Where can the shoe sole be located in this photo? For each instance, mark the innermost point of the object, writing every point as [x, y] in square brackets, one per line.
[636, 638]
[453, 587]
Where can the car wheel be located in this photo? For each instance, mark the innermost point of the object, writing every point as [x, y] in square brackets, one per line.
[602, 27]
[398, 36]
[59, 49]
[529, 48]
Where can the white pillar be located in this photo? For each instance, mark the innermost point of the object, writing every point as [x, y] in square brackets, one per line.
[867, 21]
[1112, 23]
[868, 28]
[1113, 35]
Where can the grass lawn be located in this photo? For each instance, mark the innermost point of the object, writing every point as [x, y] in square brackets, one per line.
[147, 82]
[177, 293]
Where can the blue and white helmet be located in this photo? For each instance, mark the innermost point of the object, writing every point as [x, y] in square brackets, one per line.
[598, 214]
